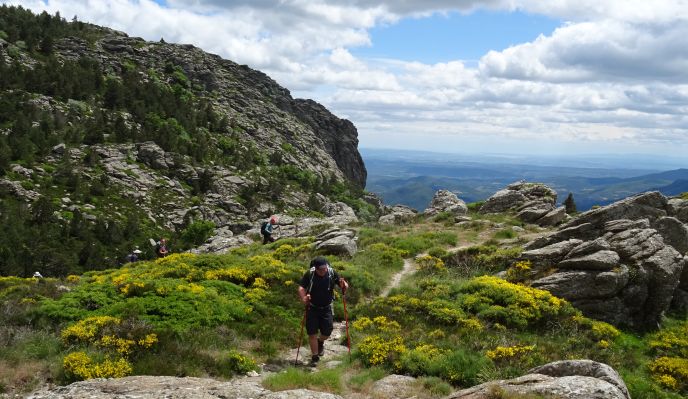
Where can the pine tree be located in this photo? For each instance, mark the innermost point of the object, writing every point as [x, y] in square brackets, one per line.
[570, 204]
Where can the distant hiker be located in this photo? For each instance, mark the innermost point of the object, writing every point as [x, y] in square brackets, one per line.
[161, 248]
[266, 229]
[134, 255]
[316, 290]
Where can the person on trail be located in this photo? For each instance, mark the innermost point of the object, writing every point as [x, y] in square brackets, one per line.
[316, 290]
[134, 255]
[161, 248]
[266, 229]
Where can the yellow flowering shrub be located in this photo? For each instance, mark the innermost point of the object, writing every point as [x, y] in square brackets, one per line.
[234, 274]
[192, 288]
[255, 295]
[376, 350]
[428, 263]
[239, 363]
[671, 372]
[379, 323]
[671, 341]
[417, 361]
[508, 352]
[79, 366]
[519, 271]
[260, 283]
[284, 252]
[511, 304]
[73, 279]
[86, 330]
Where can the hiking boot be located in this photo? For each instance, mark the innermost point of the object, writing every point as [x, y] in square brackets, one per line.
[321, 348]
[314, 360]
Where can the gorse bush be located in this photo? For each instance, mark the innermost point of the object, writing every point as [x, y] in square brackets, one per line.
[670, 368]
[481, 259]
[499, 301]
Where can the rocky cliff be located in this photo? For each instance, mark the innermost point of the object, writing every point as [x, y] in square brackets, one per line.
[120, 131]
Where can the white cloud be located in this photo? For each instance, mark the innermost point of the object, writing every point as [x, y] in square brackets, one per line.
[617, 72]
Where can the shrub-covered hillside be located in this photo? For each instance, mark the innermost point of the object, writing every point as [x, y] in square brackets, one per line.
[108, 141]
[451, 324]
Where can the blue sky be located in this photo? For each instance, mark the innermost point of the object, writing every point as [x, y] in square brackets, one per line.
[479, 76]
[454, 35]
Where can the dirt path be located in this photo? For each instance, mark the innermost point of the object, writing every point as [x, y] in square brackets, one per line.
[409, 267]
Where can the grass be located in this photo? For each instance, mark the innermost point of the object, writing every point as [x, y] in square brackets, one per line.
[446, 320]
[328, 380]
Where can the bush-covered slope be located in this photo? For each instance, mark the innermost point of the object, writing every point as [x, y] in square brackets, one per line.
[217, 315]
[107, 141]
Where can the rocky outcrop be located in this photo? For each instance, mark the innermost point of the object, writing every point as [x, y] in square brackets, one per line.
[150, 387]
[446, 201]
[15, 189]
[568, 379]
[339, 137]
[398, 214]
[260, 123]
[622, 263]
[337, 242]
[392, 387]
[532, 202]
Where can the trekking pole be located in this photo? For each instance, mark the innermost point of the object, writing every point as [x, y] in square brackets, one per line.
[346, 323]
[303, 321]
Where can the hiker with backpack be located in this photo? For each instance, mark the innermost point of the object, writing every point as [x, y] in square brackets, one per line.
[161, 248]
[266, 229]
[316, 290]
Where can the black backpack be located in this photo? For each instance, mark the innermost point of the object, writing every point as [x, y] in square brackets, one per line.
[262, 228]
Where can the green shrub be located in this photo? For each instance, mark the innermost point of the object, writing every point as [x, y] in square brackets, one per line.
[459, 367]
[437, 252]
[481, 259]
[198, 232]
[475, 206]
[240, 364]
[436, 386]
[505, 234]
[443, 217]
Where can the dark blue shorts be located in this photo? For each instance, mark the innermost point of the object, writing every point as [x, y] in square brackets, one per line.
[319, 319]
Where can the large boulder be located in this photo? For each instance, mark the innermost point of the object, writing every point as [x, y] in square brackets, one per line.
[399, 214]
[568, 379]
[337, 242]
[650, 205]
[532, 202]
[620, 270]
[446, 201]
[678, 208]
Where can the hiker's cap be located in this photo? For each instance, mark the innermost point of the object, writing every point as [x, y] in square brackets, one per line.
[320, 261]
[137, 251]
[273, 220]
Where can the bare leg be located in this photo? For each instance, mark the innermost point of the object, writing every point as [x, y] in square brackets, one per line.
[313, 342]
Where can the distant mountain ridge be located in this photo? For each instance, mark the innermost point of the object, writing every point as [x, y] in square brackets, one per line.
[399, 178]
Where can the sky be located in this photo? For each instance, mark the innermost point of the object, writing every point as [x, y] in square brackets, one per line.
[520, 77]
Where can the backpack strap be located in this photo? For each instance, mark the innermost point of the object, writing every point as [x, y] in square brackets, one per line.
[330, 275]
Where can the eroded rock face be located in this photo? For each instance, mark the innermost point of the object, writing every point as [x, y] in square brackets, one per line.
[446, 201]
[617, 269]
[533, 202]
[569, 379]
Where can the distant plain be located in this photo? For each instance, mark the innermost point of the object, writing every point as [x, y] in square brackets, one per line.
[412, 177]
